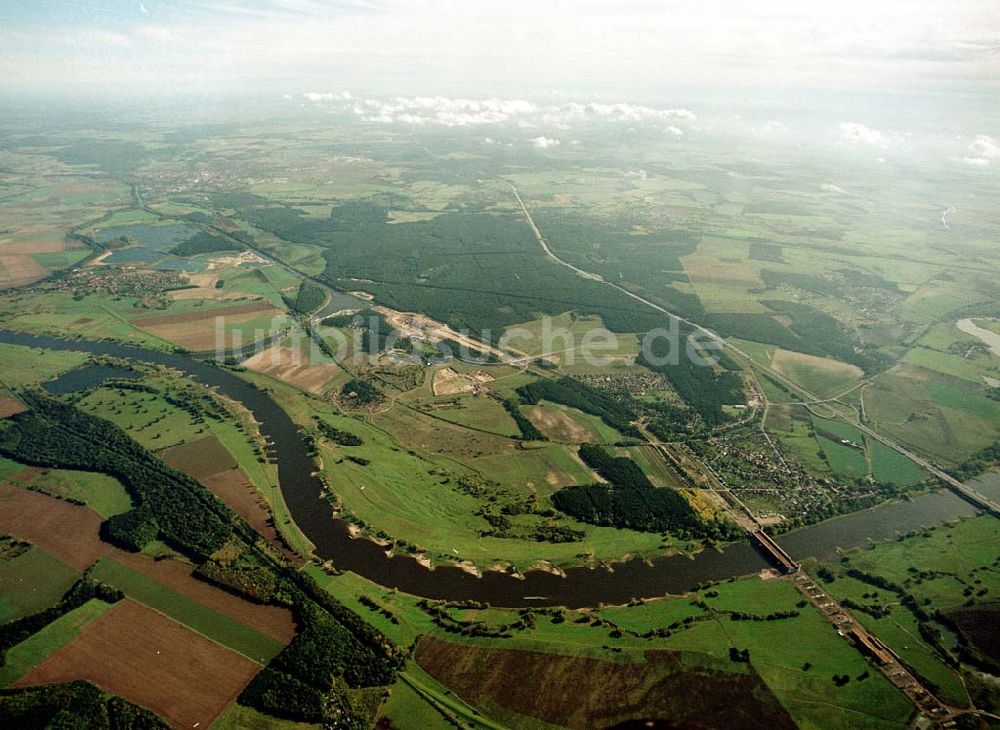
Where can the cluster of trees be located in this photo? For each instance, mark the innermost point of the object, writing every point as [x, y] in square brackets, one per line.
[529, 432]
[647, 510]
[203, 242]
[358, 393]
[630, 501]
[341, 438]
[977, 463]
[615, 412]
[333, 645]
[704, 388]
[14, 632]
[73, 705]
[374, 327]
[619, 470]
[308, 298]
[168, 504]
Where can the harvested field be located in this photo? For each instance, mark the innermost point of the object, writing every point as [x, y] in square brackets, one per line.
[292, 367]
[197, 330]
[234, 488]
[558, 425]
[19, 269]
[450, 382]
[582, 692]
[177, 575]
[142, 655]
[204, 287]
[65, 531]
[170, 319]
[200, 459]
[10, 406]
[71, 535]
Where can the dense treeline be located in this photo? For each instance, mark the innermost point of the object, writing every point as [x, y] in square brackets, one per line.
[308, 298]
[812, 331]
[977, 463]
[337, 436]
[704, 388]
[647, 510]
[72, 705]
[357, 393]
[203, 242]
[168, 504]
[615, 412]
[332, 643]
[629, 501]
[474, 269]
[83, 590]
[618, 470]
[529, 432]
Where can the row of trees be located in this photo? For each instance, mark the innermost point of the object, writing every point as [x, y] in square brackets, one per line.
[614, 411]
[333, 646]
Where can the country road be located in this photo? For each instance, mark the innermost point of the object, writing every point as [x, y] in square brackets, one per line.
[962, 490]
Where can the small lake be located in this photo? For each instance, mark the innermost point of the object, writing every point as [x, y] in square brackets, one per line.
[158, 237]
[135, 255]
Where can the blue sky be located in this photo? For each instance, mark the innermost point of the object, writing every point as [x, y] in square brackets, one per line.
[634, 48]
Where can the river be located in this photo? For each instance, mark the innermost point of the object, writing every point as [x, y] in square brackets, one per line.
[581, 586]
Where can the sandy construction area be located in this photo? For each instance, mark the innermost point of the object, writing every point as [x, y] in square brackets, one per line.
[145, 657]
[449, 382]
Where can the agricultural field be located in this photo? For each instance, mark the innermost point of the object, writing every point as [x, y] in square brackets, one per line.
[852, 296]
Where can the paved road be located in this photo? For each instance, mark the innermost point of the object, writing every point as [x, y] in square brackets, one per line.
[963, 491]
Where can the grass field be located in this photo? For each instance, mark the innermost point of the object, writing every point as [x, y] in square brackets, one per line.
[943, 568]
[31, 582]
[20, 366]
[146, 657]
[103, 494]
[932, 413]
[200, 618]
[819, 375]
[21, 659]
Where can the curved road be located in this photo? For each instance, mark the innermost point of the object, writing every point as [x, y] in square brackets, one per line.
[965, 492]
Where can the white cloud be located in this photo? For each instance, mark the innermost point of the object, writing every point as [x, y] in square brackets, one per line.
[983, 151]
[462, 112]
[854, 133]
[831, 188]
[543, 143]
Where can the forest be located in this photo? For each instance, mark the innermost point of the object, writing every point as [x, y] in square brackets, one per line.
[630, 501]
[203, 242]
[705, 389]
[332, 646]
[566, 391]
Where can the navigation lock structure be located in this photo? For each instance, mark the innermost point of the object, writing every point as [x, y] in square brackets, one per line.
[586, 365]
